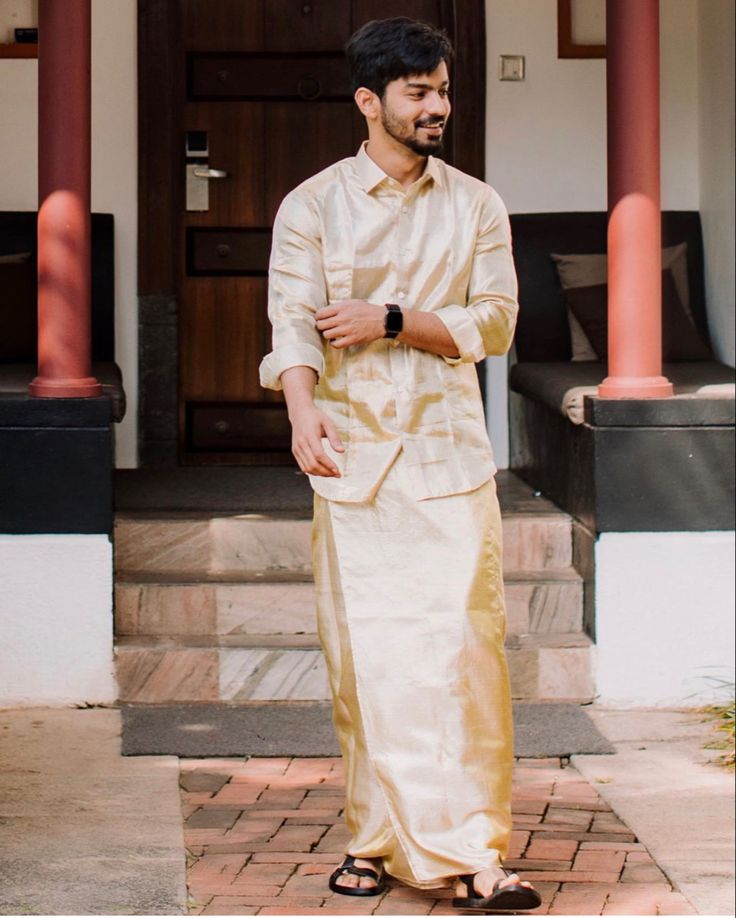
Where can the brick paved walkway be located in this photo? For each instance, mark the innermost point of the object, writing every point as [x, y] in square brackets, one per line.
[263, 835]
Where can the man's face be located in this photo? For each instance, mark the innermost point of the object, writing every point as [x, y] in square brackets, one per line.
[415, 109]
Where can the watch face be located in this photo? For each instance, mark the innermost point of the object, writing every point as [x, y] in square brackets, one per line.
[394, 320]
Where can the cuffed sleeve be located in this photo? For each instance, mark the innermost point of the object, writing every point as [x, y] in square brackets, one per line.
[289, 355]
[485, 326]
[296, 290]
[464, 331]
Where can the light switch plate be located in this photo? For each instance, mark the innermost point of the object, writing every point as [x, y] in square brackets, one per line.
[511, 67]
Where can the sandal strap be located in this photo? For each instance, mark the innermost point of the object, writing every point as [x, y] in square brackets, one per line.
[467, 878]
[348, 867]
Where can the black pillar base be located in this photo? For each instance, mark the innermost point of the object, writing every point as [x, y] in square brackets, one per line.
[56, 462]
[649, 465]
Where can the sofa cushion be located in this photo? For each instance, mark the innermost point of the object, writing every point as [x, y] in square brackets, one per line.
[680, 338]
[563, 385]
[579, 270]
[543, 330]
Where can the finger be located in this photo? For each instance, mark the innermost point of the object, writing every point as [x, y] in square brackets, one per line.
[324, 312]
[323, 460]
[346, 341]
[319, 461]
[333, 436]
[328, 322]
[335, 331]
[298, 454]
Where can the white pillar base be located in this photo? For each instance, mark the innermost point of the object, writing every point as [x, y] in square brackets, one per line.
[56, 620]
[664, 618]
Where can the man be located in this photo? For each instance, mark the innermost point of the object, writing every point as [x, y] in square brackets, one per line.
[391, 275]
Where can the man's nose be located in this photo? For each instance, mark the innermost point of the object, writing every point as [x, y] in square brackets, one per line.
[437, 104]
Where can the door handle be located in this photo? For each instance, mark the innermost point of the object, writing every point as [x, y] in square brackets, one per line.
[205, 172]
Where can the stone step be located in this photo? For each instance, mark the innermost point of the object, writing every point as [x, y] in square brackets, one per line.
[544, 601]
[158, 670]
[200, 546]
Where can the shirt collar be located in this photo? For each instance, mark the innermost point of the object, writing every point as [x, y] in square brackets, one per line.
[371, 174]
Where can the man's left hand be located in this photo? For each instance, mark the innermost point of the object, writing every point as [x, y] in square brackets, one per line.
[349, 322]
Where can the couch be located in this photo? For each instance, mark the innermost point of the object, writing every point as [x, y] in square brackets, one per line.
[625, 464]
[18, 322]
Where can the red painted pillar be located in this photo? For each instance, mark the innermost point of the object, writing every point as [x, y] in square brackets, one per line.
[64, 180]
[634, 219]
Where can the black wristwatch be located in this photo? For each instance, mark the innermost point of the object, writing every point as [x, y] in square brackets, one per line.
[394, 320]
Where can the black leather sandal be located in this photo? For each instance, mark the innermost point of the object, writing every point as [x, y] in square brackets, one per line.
[512, 897]
[347, 866]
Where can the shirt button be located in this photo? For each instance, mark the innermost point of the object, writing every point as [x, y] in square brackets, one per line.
[404, 210]
[401, 296]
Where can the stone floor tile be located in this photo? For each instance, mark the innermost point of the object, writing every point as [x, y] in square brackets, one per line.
[263, 835]
[612, 861]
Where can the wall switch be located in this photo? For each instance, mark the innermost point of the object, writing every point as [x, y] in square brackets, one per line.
[511, 67]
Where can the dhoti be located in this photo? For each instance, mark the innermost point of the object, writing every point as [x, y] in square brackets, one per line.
[411, 619]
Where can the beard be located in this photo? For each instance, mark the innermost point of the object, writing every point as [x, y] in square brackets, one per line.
[406, 133]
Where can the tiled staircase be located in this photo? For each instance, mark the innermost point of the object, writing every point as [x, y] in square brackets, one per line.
[216, 607]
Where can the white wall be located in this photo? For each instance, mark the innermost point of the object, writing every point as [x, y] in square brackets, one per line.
[56, 630]
[717, 152]
[114, 166]
[546, 136]
[664, 617]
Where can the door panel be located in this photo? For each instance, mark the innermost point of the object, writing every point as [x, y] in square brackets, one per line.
[269, 101]
[424, 10]
[224, 25]
[300, 137]
[272, 76]
[293, 25]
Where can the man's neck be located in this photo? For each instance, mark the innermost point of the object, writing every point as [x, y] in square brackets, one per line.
[396, 160]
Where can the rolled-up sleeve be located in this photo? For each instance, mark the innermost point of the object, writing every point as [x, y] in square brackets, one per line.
[296, 290]
[484, 326]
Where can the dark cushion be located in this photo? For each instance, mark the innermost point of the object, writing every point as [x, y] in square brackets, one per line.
[543, 330]
[680, 338]
[18, 313]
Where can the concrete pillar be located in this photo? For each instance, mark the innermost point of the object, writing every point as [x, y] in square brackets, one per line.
[634, 225]
[64, 224]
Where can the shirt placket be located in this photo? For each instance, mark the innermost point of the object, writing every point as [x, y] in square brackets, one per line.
[400, 356]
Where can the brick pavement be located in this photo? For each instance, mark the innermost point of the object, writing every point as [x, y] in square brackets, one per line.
[263, 835]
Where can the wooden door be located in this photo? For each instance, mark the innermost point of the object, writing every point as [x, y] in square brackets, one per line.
[266, 102]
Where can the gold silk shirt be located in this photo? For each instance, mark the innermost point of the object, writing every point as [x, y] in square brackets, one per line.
[441, 245]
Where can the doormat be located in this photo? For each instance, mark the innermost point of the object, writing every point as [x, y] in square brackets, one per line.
[213, 490]
[305, 729]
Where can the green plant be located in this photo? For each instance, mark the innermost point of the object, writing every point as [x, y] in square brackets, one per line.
[725, 717]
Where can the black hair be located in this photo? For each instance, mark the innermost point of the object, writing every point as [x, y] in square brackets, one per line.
[383, 50]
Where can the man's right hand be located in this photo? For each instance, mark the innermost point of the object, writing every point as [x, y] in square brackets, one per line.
[308, 426]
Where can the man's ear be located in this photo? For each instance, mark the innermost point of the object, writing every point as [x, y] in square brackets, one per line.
[368, 103]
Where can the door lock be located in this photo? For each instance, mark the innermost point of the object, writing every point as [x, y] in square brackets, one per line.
[204, 172]
[198, 171]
